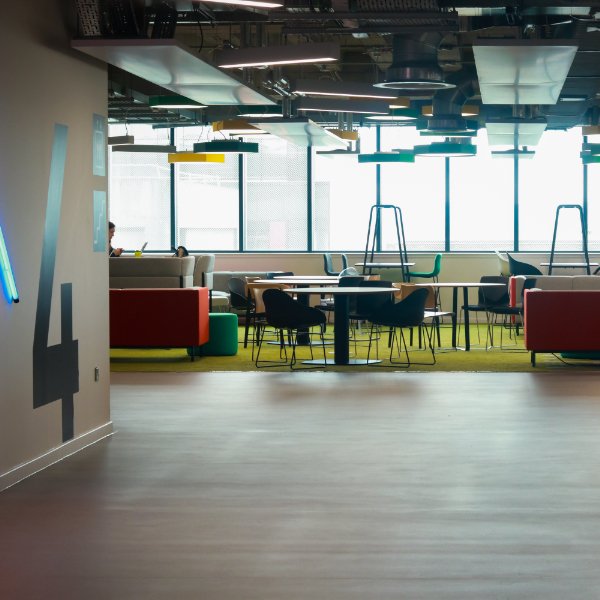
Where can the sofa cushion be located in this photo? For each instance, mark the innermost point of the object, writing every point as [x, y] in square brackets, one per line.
[150, 271]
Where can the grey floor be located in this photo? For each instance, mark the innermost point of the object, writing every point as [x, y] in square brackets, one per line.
[258, 486]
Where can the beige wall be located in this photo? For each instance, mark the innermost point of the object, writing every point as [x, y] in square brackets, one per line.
[455, 267]
[44, 83]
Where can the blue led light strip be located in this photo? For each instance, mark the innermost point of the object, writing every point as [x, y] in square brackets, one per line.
[6, 272]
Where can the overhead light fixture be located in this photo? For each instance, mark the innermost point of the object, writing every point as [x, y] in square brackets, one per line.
[340, 105]
[120, 140]
[261, 112]
[302, 132]
[397, 114]
[591, 149]
[338, 152]
[446, 149]
[589, 159]
[520, 153]
[522, 71]
[173, 102]
[145, 148]
[400, 102]
[236, 127]
[467, 110]
[277, 55]
[252, 3]
[589, 130]
[397, 156]
[193, 157]
[344, 134]
[448, 126]
[572, 98]
[346, 89]
[226, 146]
[8, 279]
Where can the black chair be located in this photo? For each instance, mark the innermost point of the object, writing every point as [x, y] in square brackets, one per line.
[288, 316]
[273, 274]
[242, 303]
[407, 313]
[362, 307]
[512, 313]
[327, 304]
[488, 298]
[517, 267]
[328, 264]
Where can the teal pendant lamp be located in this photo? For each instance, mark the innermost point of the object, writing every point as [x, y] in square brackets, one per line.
[446, 150]
[221, 146]
[397, 156]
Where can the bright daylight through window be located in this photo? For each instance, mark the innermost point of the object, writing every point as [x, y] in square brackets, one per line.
[267, 196]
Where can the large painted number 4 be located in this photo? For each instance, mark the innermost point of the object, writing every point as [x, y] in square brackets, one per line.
[55, 368]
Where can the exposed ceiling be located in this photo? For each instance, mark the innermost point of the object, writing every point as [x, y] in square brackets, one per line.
[379, 40]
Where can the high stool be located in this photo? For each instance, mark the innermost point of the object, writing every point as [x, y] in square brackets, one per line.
[222, 336]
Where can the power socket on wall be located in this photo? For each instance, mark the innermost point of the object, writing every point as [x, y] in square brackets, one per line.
[96, 374]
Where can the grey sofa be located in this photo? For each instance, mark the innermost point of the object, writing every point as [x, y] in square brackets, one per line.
[150, 272]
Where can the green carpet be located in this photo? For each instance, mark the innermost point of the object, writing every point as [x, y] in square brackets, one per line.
[513, 358]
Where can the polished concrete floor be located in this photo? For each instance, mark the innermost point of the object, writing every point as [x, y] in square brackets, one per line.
[310, 486]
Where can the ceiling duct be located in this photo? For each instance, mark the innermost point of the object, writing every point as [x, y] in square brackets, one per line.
[415, 64]
[447, 105]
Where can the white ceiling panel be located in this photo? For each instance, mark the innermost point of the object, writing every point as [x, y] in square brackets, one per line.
[171, 65]
[522, 71]
[515, 132]
[302, 132]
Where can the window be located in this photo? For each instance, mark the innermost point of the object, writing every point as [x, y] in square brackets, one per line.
[207, 198]
[418, 189]
[276, 196]
[481, 200]
[554, 176]
[140, 204]
[343, 192]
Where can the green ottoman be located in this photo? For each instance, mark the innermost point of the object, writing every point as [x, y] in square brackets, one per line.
[222, 336]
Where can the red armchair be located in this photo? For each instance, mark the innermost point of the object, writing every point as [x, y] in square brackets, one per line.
[158, 317]
[562, 321]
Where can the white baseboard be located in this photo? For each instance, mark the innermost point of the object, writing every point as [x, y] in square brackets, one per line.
[55, 455]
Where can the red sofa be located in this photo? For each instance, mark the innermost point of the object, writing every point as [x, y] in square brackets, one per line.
[158, 317]
[562, 321]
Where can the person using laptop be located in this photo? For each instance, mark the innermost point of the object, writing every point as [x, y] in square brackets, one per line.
[112, 252]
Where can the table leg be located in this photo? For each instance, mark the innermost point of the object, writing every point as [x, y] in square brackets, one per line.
[341, 329]
[341, 336]
[454, 314]
[466, 316]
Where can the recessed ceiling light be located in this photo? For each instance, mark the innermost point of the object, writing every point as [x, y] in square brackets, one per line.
[173, 102]
[252, 3]
[398, 114]
[277, 55]
[345, 89]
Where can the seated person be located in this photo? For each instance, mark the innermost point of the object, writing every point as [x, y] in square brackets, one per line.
[181, 251]
[111, 232]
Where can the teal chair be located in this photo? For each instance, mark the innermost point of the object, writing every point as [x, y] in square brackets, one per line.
[433, 274]
[437, 267]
